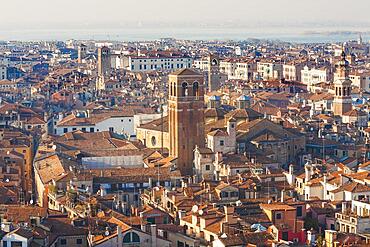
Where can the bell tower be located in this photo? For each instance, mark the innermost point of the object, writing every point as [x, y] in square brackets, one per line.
[342, 100]
[213, 73]
[186, 116]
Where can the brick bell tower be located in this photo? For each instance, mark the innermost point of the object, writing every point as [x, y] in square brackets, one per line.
[342, 99]
[186, 116]
[213, 73]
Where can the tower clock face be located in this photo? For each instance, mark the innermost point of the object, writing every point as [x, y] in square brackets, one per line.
[214, 62]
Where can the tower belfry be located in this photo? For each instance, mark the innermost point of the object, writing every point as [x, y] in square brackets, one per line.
[213, 73]
[104, 67]
[186, 117]
[342, 99]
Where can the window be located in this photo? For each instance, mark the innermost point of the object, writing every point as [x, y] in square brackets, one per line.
[299, 211]
[154, 141]
[63, 241]
[79, 241]
[151, 220]
[74, 129]
[184, 89]
[332, 227]
[65, 130]
[208, 167]
[131, 237]
[111, 129]
[222, 143]
[180, 244]
[278, 216]
[234, 194]
[91, 129]
[285, 236]
[196, 89]
[84, 129]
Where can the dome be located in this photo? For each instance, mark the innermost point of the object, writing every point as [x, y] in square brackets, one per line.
[215, 98]
[244, 98]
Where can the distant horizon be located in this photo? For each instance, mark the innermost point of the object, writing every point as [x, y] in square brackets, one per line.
[296, 34]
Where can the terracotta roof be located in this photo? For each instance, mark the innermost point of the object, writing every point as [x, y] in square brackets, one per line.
[218, 133]
[49, 168]
[276, 206]
[185, 72]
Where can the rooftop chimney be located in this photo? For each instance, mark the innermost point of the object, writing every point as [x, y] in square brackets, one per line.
[153, 231]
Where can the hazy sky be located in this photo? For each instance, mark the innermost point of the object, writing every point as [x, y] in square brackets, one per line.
[97, 13]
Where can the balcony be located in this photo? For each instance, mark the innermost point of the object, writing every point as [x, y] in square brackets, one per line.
[348, 218]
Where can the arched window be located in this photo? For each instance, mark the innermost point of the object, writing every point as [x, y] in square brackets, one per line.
[344, 91]
[184, 89]
[131, 237]
[154, 141]
[196, 89]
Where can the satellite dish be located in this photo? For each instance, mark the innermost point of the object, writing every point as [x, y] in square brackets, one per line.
[2, 226]
[7, 180]
[201, 212]
[194, 209]
[106, 233]
[31, 201]
[224, 235]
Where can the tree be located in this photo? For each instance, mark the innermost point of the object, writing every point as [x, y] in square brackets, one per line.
[311, 223]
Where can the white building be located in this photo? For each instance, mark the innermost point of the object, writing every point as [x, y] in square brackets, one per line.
[18, 237]
[360, 80]
[202, 64]
[269, 70]
[120, 122]
[148, 63]
[292, 72]
[238, 69]
[314, 76]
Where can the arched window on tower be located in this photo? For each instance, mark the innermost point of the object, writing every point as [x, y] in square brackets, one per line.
[184, 89]
[336, 91]
[196, 89]
[340, 91]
